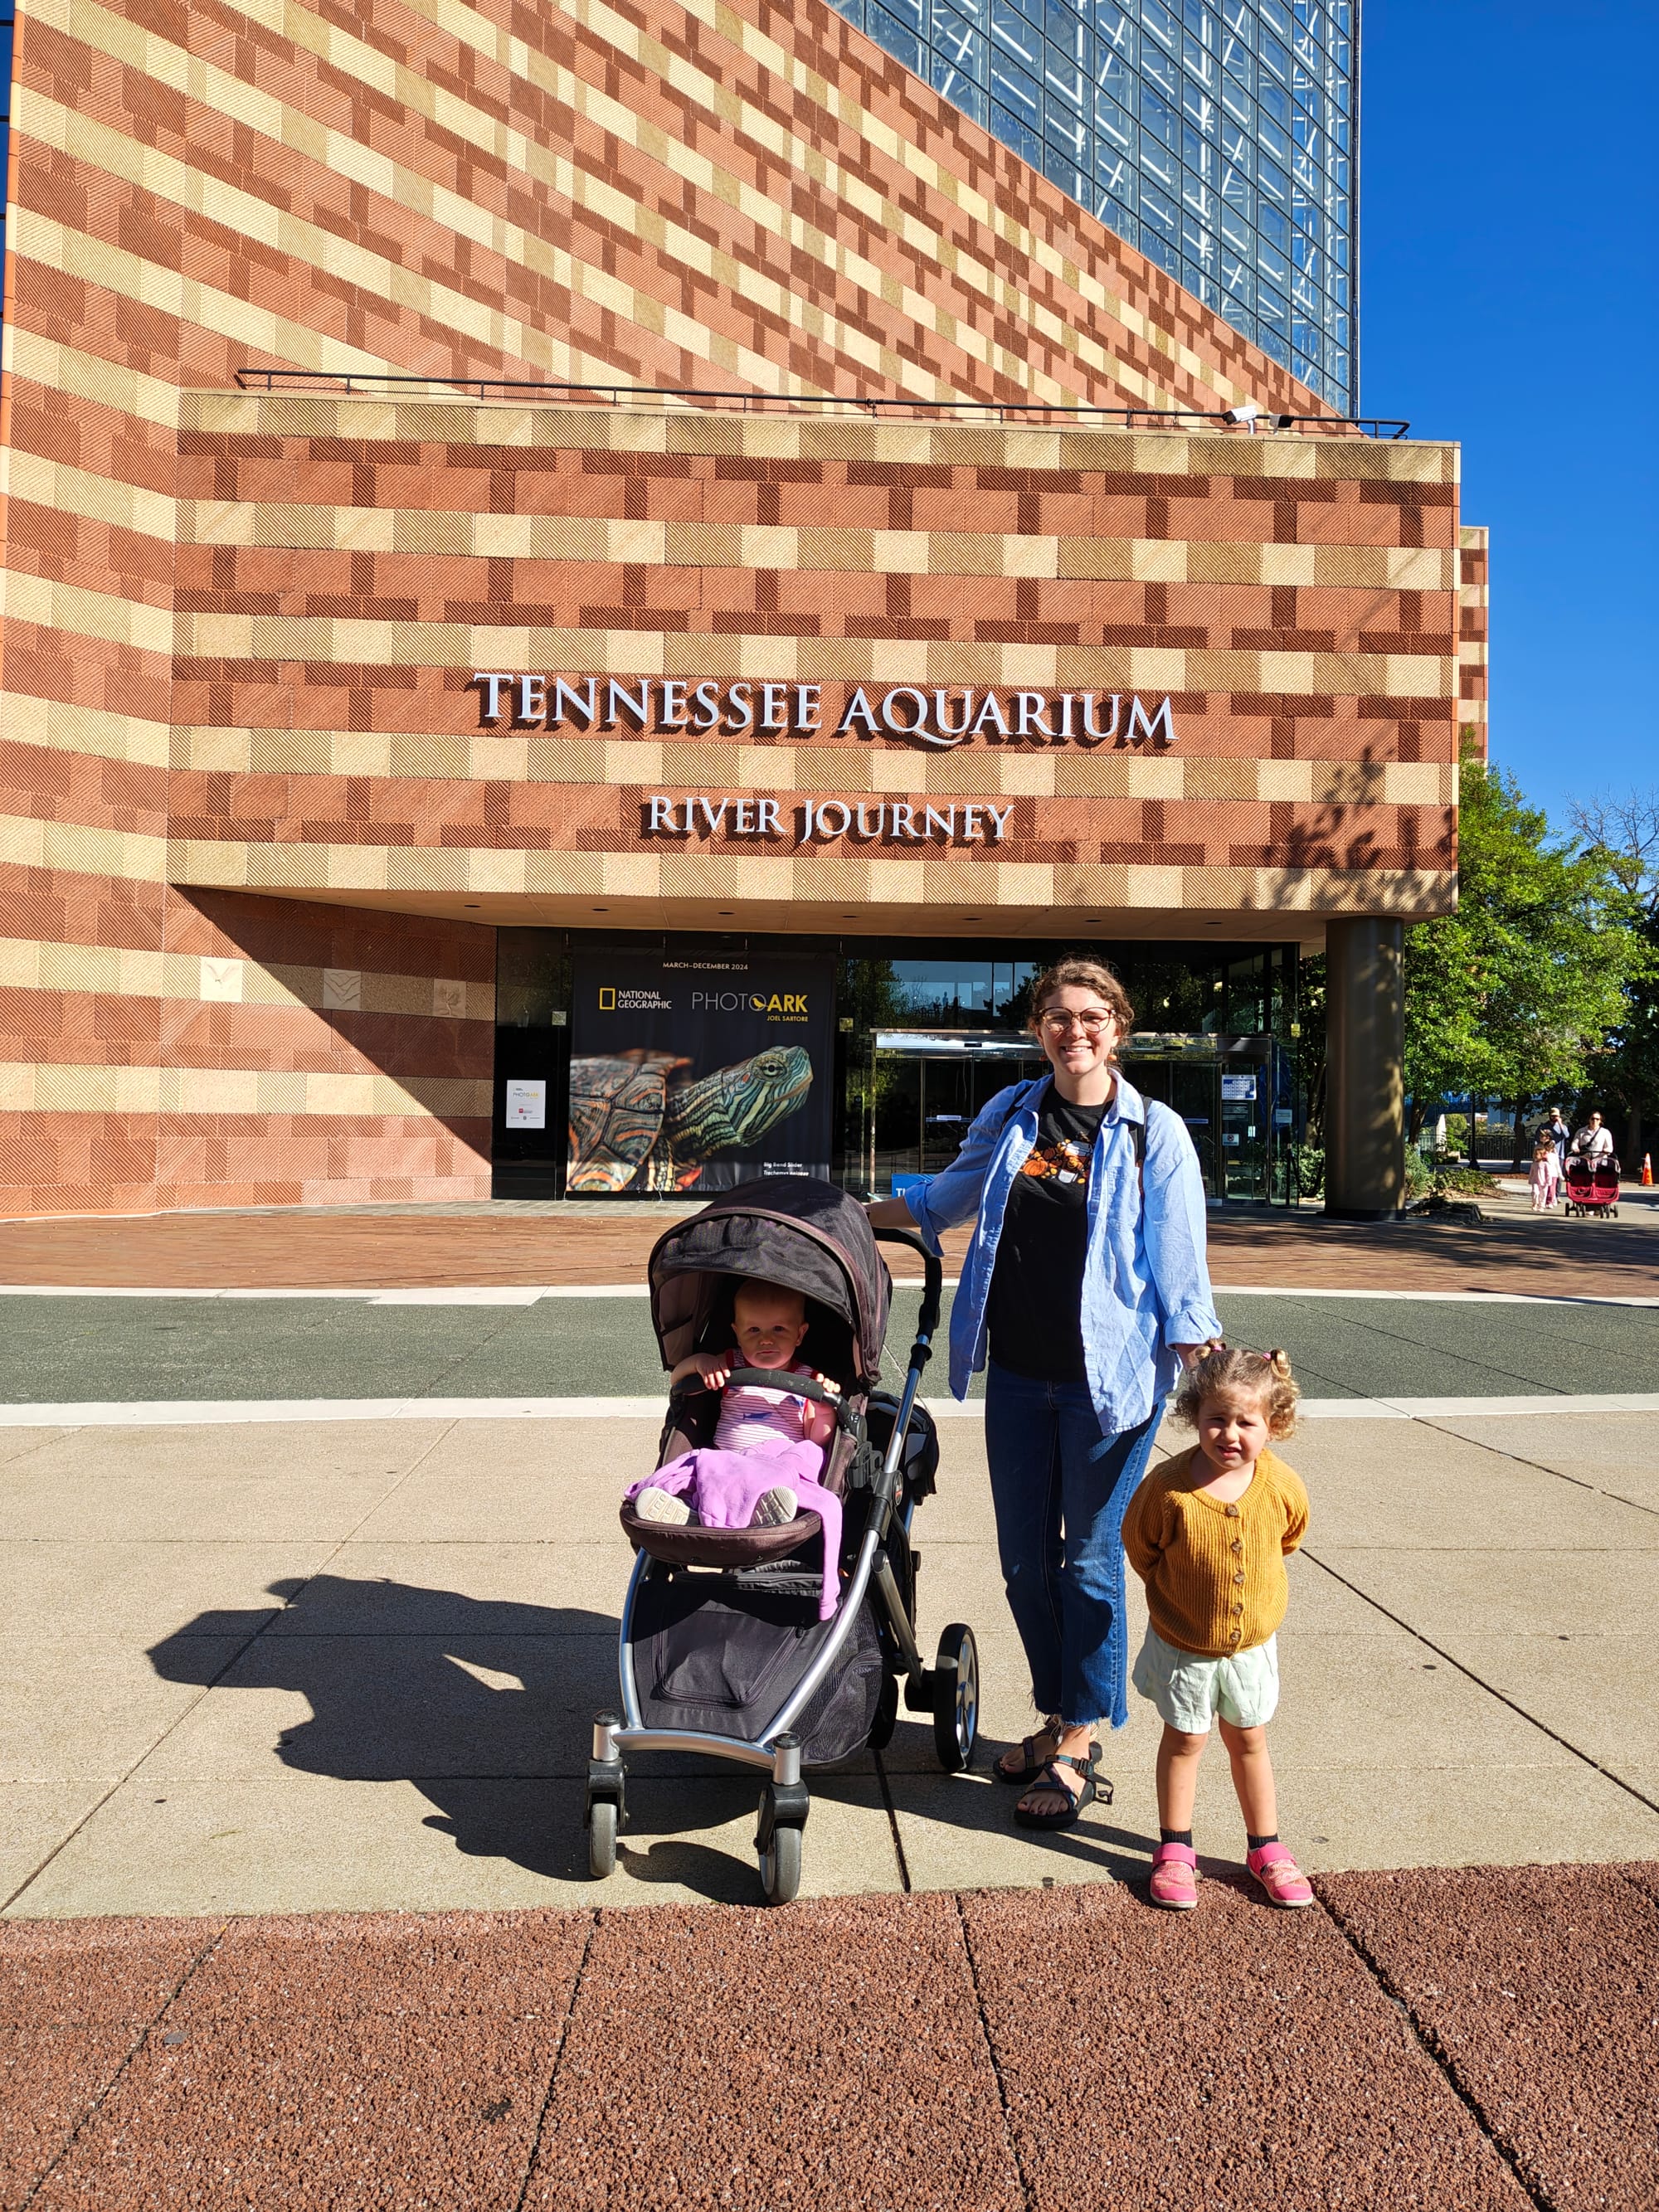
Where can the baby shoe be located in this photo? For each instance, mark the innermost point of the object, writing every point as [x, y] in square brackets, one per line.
[1175, 1877]
[774, 1509]
[654, 1504]
[1279, 1875]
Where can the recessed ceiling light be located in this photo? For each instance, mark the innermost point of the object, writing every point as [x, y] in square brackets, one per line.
[601, 909]
[471, 908]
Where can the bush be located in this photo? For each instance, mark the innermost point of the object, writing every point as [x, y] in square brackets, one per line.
[1310, 1170]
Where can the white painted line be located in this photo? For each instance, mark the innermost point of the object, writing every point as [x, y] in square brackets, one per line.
[196, 1412]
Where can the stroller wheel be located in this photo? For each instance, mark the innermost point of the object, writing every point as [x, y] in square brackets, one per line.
[955, 1698]
[601, 1838]
[780, 1858]
[881, 1729]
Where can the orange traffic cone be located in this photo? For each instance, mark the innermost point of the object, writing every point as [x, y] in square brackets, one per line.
[1647, 1170]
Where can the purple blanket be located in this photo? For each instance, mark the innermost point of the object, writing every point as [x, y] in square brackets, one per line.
[724, 1488]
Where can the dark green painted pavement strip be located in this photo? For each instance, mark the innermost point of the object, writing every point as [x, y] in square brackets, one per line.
[59, 1350]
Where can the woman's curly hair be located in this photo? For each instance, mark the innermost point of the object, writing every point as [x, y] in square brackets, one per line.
[1233, 1371]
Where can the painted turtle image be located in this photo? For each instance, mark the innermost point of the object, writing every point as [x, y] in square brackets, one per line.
[636, 1124]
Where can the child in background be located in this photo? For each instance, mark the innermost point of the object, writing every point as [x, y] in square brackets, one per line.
[1545, 1174]
[1207, 1533]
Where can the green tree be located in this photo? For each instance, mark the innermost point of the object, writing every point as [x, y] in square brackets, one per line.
[1626, 833]
[1518, 992]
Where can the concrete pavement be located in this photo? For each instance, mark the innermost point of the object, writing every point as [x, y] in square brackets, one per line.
[349, 1666]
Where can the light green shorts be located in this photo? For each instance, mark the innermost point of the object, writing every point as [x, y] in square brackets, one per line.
[1189, 1691]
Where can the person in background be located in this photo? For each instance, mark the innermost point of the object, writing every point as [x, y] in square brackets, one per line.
[1545, 1176]
[1594, 1142]
[1084, 1293]
[1559, 1136]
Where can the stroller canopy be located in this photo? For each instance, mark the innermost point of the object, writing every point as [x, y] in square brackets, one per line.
[791, 1229]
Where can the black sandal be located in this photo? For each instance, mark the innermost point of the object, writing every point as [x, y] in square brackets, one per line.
[1048, 1778]
[1023, 1776]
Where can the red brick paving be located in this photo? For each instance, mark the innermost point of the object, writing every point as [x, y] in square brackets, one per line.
[1541, 2004]
[1446, 2041]
[303, 1249]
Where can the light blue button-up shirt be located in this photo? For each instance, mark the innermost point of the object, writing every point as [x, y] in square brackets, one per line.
[1145, 1286]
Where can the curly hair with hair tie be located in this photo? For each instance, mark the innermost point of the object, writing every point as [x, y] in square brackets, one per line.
[1232, 1373]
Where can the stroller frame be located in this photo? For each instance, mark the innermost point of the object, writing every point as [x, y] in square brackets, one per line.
[949, 1690]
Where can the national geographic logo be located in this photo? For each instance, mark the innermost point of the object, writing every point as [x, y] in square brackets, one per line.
[648, 1000]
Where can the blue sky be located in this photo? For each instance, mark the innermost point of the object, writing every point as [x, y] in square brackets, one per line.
[1509, 283]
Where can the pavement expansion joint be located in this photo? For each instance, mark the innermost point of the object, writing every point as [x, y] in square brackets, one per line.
[535, 2151]
[1009, 2136]
[1596, 1765]
[1429, 2043]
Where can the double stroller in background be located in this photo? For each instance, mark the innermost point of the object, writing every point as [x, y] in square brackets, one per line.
[722, 1649]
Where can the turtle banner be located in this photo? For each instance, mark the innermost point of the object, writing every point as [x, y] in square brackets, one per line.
[698, 1073]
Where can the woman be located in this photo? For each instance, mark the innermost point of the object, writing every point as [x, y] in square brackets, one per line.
[1085, 1276]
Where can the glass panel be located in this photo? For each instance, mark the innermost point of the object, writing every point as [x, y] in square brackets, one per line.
[1010, 30]
[1067, 134]
[1275, 227]
[1274, 59]
[1014, 131]
[1159, 68]
[1158, 120]
[1273, 141]
[1236, 229]
[1199, 62]
[1269, 340]
[1158, 210]
[1238, 148]
[1114, 126]
[1064, 80]
[1272, 263]
[1272, 312]
[1239, 62]
[1200, 285]
[1114, 31]
[898, 38]
[1116, 176]
[1011, 84]
[1238, 282]
[1275, 17]
[1156, 19]
[1199, 203]
[1199, 155]
[1118, 219]
[1239, 18]
[1068, 44]
[1162, 250]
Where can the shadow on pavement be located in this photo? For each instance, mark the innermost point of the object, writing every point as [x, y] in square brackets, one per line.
[485, 1706]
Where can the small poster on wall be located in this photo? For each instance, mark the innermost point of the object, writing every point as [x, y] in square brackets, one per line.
[527, 1103]
[697, 1074]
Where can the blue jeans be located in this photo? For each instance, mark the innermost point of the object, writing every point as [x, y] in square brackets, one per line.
[1060, 1489]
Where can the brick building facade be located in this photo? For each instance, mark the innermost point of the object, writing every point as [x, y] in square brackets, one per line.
[258, 836]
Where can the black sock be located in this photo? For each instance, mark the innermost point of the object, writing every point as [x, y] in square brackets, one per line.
[1176, 1836]
[1257, 1842]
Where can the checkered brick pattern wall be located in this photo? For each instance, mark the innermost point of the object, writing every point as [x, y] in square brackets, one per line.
[1473, 632]
[1295, 598]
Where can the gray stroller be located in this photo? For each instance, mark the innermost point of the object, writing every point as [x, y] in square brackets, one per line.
[722, 1650]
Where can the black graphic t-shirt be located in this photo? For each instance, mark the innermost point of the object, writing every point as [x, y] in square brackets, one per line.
[1035, 1314]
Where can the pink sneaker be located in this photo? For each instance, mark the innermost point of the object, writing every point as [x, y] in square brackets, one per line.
[1279, 1875]
[1175, 1877]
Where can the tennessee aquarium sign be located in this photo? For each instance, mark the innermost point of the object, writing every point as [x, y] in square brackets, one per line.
[924, 716]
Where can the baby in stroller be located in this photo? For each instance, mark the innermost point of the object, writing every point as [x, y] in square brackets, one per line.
[769, 1444]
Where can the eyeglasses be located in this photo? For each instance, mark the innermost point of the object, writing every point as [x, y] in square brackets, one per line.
[1092, 1023]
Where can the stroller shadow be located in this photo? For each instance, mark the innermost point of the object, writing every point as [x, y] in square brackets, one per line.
[486, 1707]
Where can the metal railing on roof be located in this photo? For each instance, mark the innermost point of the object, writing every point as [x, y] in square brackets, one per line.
[1248, 419]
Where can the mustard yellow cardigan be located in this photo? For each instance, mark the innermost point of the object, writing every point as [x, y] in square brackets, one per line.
[1214, 1573]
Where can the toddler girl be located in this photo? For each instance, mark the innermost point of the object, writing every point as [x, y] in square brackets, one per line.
[1545, 1176]
[1207, 1533]
[768, 1450]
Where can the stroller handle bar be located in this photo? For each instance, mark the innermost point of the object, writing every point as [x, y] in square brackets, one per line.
[932, 1276]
